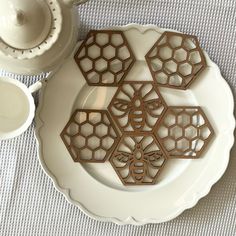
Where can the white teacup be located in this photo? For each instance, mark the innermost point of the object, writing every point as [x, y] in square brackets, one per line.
[17, 107]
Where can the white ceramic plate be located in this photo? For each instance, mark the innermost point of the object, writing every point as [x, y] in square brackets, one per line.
[95, 188]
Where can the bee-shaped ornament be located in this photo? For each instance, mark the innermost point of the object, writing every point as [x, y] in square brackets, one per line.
[138, 160]
[137, 107]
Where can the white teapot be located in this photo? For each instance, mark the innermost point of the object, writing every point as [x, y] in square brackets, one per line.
[36, 35]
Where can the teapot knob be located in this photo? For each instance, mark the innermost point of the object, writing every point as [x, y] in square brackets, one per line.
[19, 17]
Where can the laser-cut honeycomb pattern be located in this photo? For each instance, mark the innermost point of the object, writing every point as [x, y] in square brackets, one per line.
[137, 107]
[151, 131]
[105, 58]
[138, 160]
[90, 136]
[175, 60]
[184, 132]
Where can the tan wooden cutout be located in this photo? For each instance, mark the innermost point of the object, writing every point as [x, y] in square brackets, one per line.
[138, 160]
[105, 58]
[137, 107]
[184, 132]
[176, 60]
[90, 136]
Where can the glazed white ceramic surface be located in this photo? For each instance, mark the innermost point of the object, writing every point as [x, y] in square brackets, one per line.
[16, 107]
[95, 188]
[31, 22]
[36, 35]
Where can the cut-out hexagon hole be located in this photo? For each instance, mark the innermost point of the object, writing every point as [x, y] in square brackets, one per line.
[137, 107]
[107, 47]
[86, 153]
[175, 80]
[162, 77]
[184, 119]
[191, 132]
[170, 67]
[100, 65]
[169, 144]
[138, 160]
[79, 141]
[109, 52]
[157, 64]
[86, 129]
[93, 76]
[194, 57]
[107, 142]
[185, 69]
[108, 77]
[182, 49]
[165, 53]
[93, 142]
[117, 40]
[94, 52]
[175, 41]
[87, 64]
[183, 145]
[101, 130]
[83, 135]
[188, 127]
[116, 66]
[180, 55]
[176, 132]
[102, 39]
[123, 53]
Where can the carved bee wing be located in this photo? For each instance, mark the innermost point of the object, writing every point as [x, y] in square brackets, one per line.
[122, 159]
[154, 158]
[121, 105]
[152, 107]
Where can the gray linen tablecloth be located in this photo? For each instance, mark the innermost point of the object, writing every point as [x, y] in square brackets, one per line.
[29, 204]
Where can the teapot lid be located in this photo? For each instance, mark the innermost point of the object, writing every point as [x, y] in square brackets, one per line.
[37, 35]
[29, 28]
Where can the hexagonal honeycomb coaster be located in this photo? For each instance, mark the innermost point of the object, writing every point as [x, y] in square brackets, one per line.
[138, 160]
[90, 136]
[184, 132]
[175, 60]
[105, 58]
[137, 106]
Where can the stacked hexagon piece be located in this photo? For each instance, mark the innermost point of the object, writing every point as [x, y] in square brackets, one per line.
[175, 60]
[105, 58]
[139, 133]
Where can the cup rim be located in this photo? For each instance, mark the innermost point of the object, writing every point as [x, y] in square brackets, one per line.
[21, 129]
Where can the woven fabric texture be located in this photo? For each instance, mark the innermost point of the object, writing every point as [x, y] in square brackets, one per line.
[29, 204]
